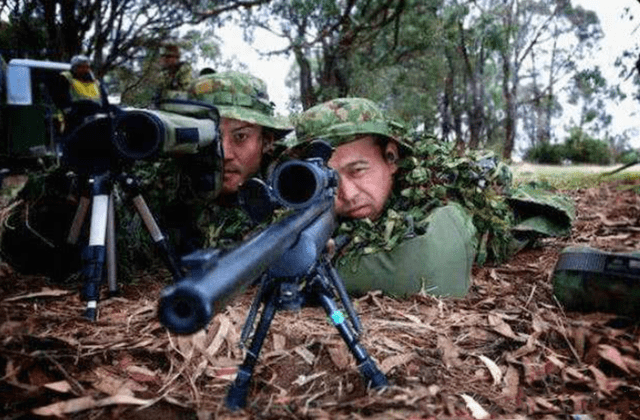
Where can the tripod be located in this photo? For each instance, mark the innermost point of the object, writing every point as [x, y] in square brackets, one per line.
[319, 286]
[101, 249]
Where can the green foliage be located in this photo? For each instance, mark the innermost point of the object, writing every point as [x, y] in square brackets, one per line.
[577, 148]
[629, 157]
[546, 153]
[581, 148]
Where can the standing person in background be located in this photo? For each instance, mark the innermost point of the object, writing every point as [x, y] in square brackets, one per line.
[175, 76]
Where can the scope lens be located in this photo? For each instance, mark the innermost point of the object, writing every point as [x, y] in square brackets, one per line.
[138, 135]
[296, 183]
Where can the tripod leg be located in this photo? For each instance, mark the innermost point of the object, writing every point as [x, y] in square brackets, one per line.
[95, 253]
[237, 394]
[373, 376]
[158, 238]
[111, 249]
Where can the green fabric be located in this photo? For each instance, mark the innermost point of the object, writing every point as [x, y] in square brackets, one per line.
[437, 262]
[175, 83]
[539, 212]
[242, 97]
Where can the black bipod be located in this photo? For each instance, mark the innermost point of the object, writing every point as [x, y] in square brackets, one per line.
[101, 249]
[321, 286]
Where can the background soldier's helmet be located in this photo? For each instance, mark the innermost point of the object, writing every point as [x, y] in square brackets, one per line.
[242, 97]
[342, 120]
[76, 60]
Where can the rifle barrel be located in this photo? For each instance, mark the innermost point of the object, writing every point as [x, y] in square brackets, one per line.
[189, 305]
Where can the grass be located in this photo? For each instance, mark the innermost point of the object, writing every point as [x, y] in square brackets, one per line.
[573, 176]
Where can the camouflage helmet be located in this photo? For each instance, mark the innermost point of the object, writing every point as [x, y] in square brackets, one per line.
[240, 96]
[341, 120]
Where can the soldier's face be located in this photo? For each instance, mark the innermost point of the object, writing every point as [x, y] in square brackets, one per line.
[82, 71]
[169, 60]
[366, 178]
[243, 144]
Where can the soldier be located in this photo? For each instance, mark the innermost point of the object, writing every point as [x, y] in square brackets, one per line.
[176, 75]
[435, 254]
[250, 132]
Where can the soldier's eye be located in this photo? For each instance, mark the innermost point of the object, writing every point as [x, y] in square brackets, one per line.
[358, 171]
[240, 137]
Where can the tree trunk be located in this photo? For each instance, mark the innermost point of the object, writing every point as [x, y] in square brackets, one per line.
[510, 117]
[307, 94]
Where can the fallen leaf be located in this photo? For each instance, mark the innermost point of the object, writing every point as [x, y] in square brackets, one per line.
[511, 383]
[65, 407]
[305, 354]
[605, 384]
[141, 374]
[501, 327]
[340, 356]
[279, 342]
[59, 386]
[495, 371]
[220, 336]
[390, 362]
[476, 409]
[45, 292]
[576, 374]
[612, 355]
[545, 404]
[449, 351]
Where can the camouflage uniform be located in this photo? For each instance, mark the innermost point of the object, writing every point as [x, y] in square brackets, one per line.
[446, 211]
[219, 222]
[175, 83]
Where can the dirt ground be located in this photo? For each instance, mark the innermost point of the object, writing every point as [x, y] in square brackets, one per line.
[508, 350]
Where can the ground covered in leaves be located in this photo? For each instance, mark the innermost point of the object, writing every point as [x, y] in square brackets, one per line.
[508, 350]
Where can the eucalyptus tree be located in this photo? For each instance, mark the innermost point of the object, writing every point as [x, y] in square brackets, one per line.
[323, 36]
[580, 30]
[590, 91]
[113, 32]
[528, 28]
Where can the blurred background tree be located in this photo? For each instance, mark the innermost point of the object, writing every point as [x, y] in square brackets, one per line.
[482, 74]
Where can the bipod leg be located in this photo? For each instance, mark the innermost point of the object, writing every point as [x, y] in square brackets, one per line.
[338, 284]
[94, 254]
[372, 375]
[253, 310]
[237, 394]
[162, 244]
